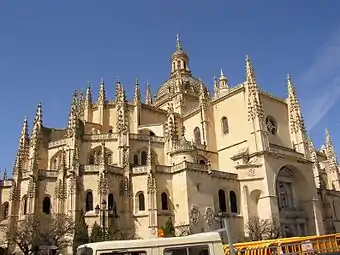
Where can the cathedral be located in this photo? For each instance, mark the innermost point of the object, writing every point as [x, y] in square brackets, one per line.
[185, 153]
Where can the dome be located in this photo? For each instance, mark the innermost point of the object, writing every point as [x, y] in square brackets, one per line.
[191, 84]
[180, 54]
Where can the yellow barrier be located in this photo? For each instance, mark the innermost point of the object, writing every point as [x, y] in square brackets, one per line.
[293, 245]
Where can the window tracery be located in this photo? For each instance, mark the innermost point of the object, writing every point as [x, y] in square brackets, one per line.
[197, 135]
[225, 125]
[95, 156]
[56, 161]
[271, 125]
[285, 195]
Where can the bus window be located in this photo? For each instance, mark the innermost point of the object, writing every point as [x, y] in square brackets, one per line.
[85, 251]
[194, 250]
[124, 253]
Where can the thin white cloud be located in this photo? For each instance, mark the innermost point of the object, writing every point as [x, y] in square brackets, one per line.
[322, 82]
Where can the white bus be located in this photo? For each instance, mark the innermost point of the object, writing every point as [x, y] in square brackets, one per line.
[199, 244]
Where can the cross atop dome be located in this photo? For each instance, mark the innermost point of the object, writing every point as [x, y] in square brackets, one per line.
[178, 43]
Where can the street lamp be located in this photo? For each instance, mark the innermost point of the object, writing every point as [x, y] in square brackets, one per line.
[224, 221]
[102, 210]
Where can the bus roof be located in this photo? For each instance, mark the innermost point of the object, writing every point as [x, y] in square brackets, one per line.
[143, 243]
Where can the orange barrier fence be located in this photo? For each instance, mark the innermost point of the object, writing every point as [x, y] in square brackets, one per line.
[295, 245]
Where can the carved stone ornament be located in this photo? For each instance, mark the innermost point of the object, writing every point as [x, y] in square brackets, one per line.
[209, 215]
[194, 214]
[72, 185]
[103, 185]
[125, 187]
[15, 192]
[31, 188]
[251, 172]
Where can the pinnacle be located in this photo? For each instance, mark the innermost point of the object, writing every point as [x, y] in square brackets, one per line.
[178, 42]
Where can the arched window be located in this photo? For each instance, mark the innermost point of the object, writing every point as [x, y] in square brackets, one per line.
[135, 160]
[225, 125]
[6, 210]
[164, 200]
[91, 160]
[221, 201]
[24, 206]
[109, 158]
[144, 157]
[197, 135]
[47, 205]
[112, 205]
[55, 164]
[141, 202]
[89, 201]
[233, 202]
[202, 162]
[110, 131]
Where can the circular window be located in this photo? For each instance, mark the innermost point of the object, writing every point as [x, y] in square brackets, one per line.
[271, 125]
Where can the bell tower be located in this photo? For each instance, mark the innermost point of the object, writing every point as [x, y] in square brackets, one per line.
[179, 60]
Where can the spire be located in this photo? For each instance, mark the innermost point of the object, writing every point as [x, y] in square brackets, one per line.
[329, 146]
[296, 120]
[101, 93]
[118, 88]
[203, 95]
[88, 96]
[24, 140]
[148, 97]
[17, 164]
[178, 43]
[216, 87]
[250, 73]
[136, 97]
[37, 125]
[223, 80]
[73, 116]
[35, 140]
[254, 103]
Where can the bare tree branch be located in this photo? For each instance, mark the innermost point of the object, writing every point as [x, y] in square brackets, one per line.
[40, 229]
[263, 229]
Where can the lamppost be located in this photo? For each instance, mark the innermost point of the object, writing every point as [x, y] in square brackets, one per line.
[102, 211]
[225, 227]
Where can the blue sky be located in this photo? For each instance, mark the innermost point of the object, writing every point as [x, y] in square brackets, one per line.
[49, 48]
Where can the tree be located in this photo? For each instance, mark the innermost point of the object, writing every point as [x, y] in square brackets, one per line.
[26, 236]
[41, 229]
[81, 234]
[263, 229]
[169, 230]
[96, 233]
[55, 230]
[113, 232]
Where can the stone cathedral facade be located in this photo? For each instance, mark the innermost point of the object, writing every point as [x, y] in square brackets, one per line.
[184, 153]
